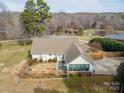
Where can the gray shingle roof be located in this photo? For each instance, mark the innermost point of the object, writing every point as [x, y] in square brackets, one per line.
[50, 45]
[83, 53]
[66, 46]
[72, 53]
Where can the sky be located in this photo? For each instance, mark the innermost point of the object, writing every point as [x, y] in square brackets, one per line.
[72, 6]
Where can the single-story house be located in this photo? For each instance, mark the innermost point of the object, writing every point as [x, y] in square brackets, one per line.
[65, 50]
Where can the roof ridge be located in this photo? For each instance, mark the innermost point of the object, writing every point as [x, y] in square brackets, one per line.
[79, 49]
[82, 55]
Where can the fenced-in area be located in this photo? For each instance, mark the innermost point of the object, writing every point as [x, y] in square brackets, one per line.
[101, 54]
[38, 70]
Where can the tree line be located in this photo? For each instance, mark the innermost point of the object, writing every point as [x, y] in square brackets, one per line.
[36, 19]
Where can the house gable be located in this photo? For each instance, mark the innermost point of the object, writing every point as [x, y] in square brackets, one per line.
[79, 60]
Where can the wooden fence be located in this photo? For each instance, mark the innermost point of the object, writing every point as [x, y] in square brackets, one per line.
[100, 54]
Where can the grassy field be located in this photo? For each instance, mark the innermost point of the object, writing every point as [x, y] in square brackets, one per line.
[85, 84]
[87, 38]
[12, 53]
[88, 34]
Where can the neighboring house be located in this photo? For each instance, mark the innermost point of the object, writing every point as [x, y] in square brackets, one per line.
[72, 31]
[101, 33]
[67, 52]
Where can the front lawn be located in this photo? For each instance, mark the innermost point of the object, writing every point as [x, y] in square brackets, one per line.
[12, 52]
[87, 38]
[84, 84]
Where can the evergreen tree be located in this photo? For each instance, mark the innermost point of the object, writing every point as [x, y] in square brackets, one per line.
[34, 16]
[120, 77]
[81, 32]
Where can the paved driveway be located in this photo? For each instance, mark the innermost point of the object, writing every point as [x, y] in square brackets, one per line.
[108, 66]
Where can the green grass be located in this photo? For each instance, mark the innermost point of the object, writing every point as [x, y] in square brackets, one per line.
[88, 34]
[86, 84]
[12, 53]
[89, 30]
[87, 38]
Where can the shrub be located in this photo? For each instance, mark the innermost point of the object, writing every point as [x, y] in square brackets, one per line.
[50, 60]
[96, 46]
[29, 54]
[120, 76]
[24, 41]
[108, 44]
[54, 60]
[41, 60]
[81, 32]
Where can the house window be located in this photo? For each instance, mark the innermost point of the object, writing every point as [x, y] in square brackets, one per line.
[70, 68]
[50, 54]
[79, 67]
[87, 66]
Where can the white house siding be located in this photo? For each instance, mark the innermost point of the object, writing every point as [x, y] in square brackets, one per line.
[46, 57]
[36, 57]
[80, 60]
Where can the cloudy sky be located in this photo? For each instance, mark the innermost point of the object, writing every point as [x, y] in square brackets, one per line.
[73, 5]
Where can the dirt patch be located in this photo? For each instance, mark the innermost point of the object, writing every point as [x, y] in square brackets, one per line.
[38, 70]
[10, 83]
[44, 70]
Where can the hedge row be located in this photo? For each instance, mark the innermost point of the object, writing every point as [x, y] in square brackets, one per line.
[109, 45]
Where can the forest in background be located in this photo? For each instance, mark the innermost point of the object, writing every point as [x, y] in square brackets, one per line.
[11, 27]
[10, 23]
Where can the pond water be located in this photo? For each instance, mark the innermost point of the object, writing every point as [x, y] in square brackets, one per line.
[119, 36]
